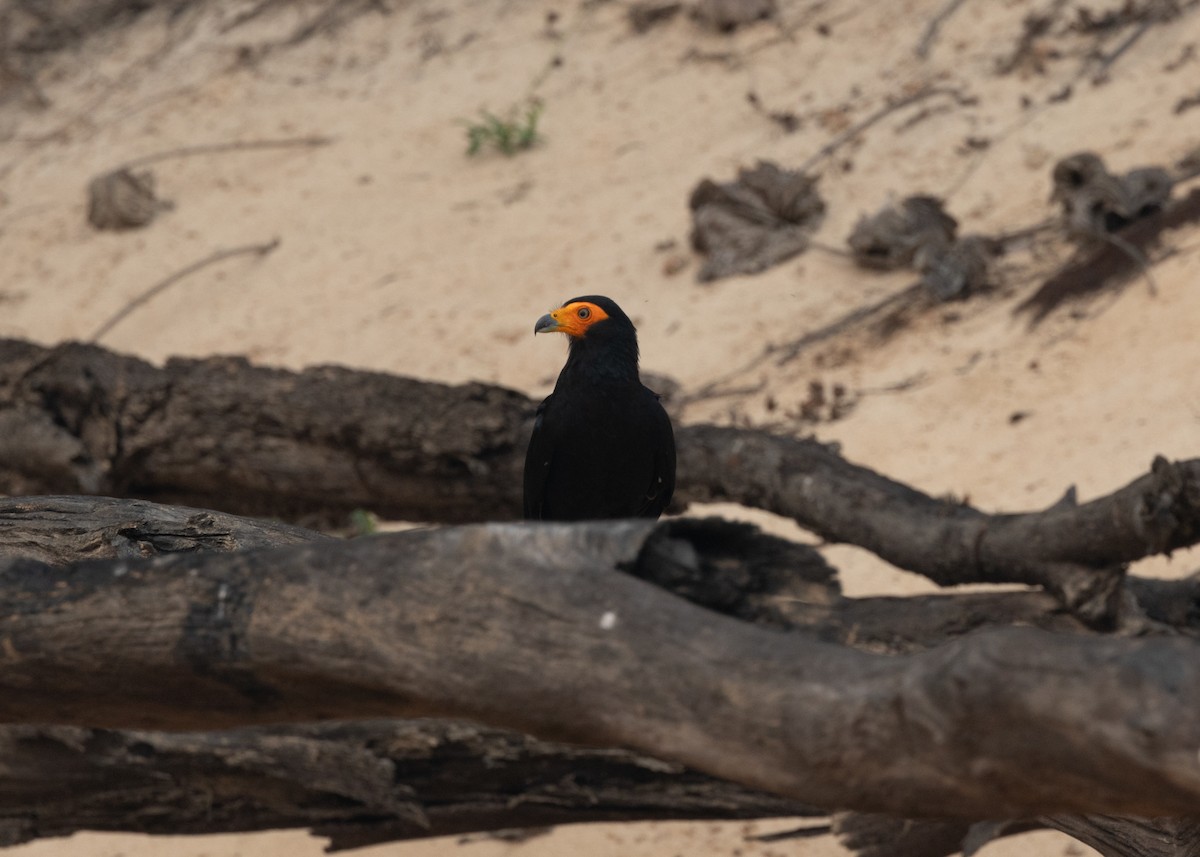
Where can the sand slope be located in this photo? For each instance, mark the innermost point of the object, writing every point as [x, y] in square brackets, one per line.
[400, 253]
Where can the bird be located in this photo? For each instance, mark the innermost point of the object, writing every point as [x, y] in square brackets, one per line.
[602, 443]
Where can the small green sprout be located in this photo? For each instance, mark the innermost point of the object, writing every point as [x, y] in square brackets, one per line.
[363, 523]
[509, 136]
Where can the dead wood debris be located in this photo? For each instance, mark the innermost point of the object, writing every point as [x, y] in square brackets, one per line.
[825, 403]
[48, 26]
[1101, 265]
[933, 28]
[1187, 167]
[891, 237]
[918, 233]
[1127, 23]
[125, 199]
[122, 199]
[890, 107]
[1030, 52]
[163, 285]
[36, 30]
[1128, 14]
[725, 16]
[353, 797]
[310, 142]
[1187, 103]
[958, 270]
[16, 78]
[333, 17]
[647, 14]
[1105, 61]
[763, 218]
[788, 120]
[1186, 55]
[1096, 202]
[1114, 220]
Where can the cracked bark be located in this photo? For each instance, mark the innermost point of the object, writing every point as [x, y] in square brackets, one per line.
[226, 434]
[455, 623]
[369, 782]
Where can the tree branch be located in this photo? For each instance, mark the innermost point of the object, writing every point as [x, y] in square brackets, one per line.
[62, 530]
[459, 622]
[356, 783]
[80, 419]
[1074, 551]
[364, 783]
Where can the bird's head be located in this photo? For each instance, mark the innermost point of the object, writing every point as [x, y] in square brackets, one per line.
[592, 316]
[602, 339]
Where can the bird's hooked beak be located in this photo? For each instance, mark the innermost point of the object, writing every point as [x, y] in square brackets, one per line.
[548, 324]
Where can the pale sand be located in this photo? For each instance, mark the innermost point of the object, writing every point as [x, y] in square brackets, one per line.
[399, 253]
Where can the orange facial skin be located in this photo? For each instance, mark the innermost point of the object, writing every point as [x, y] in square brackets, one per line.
[572, 319]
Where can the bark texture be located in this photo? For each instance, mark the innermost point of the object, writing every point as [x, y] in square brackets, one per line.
[375, 781]
[223, 433]
[357, 783]
[117, 615]
[457, 622]
[61, 530]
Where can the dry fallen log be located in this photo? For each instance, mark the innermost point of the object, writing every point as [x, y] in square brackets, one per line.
[745, 574]
[61, 530]
[221, 432]
[1074, 551]
[1122, 837]
[457, 623]
[884, 836]
[361, 783]
[356, 783]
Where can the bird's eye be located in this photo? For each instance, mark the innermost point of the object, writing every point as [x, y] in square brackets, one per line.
[584, 312]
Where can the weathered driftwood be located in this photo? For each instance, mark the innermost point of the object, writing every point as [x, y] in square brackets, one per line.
[1074, 551]
[357, 783]
[459, 622]
[61, 530]
[360, 783]
[1124, 837]
[744, 573]
[223, 433]
[885, 836]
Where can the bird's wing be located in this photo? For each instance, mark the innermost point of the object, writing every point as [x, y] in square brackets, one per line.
[537, 464]
[662, 482]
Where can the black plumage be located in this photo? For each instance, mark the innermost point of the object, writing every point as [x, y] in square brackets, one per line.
[602, 444]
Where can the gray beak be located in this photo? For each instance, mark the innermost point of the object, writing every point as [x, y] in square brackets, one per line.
[545, 324]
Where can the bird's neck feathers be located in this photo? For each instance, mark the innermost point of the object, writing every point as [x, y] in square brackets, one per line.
[612, 361]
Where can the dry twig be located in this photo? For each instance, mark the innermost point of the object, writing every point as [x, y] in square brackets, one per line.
[160, 287]
[220, 148]
[878, 116]
[935, 25]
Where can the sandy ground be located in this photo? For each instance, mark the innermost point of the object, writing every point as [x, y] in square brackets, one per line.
[400, 253]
